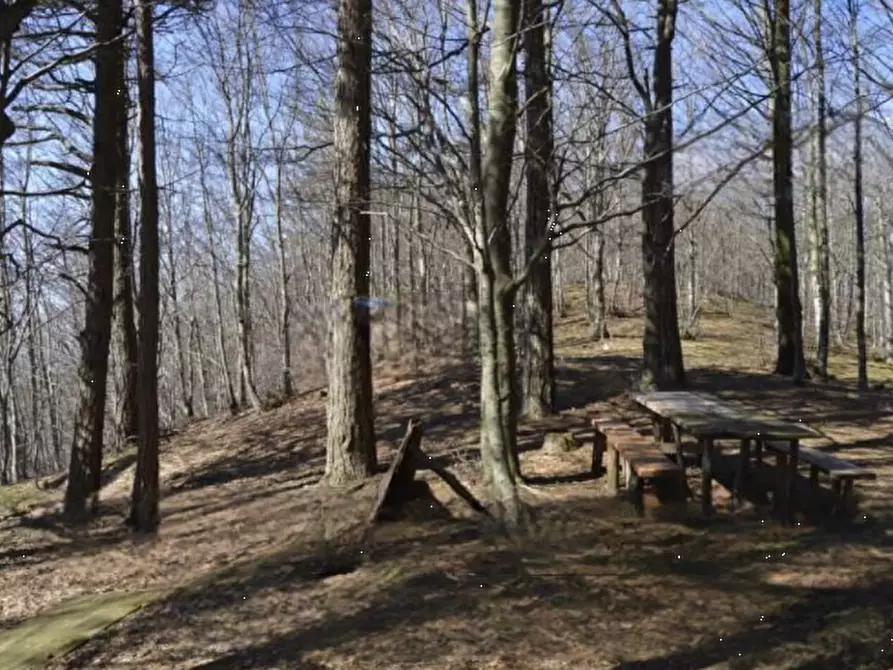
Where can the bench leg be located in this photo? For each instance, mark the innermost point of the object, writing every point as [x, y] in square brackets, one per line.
[781, 469]
[677, 439]
[791, 482]
[598, 450]
[837, 495]
[814, 489]
[844, 500]
[741, 472]
[707, 477]
[613, 471]
[637, 493]
[848, 499]
[758, 453]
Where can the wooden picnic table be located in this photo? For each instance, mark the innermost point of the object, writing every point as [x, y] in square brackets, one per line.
[707, 418]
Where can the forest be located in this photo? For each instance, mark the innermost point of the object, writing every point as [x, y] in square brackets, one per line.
[444, 170]
[246, 246]
[210, 207]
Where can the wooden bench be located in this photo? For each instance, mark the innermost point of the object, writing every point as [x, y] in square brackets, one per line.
[642, 458]
[841, 473]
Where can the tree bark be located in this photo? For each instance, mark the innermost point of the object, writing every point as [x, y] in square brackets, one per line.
[350, 447]
[858, 197]
[790, 360]
[691, 293]
[663, 366]
[538, 399]
[215, 281]
[496, 290]
[144, 511]
[284, 279]
[55, 428]
[85, 466]
[887, 241]
[198, 354]
[184, 376]
[819, 250]
[128, 423]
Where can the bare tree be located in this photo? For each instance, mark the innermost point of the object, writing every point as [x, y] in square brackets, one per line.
[790, 360]
[818, 220]
[128, 422]
[539, 369]
[144, 509]
[662, 347]
[86, 452]
[853, 7]
[350, 446]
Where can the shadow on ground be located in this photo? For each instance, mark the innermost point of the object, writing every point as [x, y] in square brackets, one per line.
[593, 587]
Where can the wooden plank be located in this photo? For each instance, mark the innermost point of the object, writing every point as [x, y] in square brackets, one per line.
[396, 487]
[648, 465]
[791, 482]
[701, 414]
[613, 470]
[644, 458]
[837, 468]
[707, 477]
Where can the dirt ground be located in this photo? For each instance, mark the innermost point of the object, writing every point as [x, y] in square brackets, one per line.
[271, 571]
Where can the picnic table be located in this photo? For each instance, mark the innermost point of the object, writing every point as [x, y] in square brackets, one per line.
[707, 418]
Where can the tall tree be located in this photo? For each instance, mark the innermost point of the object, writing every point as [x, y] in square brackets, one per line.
[12, 14]
[497, 288]
[819, 256]
[350, 447]
[128, 424]
[858, 201]
[144, 506]
[790, 360]
[662, 347]
[539, 369]
[86, 452]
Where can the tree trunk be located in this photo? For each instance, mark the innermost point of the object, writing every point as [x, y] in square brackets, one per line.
[37, 437]
[558, 272]
[284, 278]
[471, 346]
[144, 511]
[598, 308]
[819, 245]
[183, 369]
[887, 241]
[247, 389]
[198, 354]
[498, 429]
[85, 466]
[55, 428]
[218, 298]
[595, 241]
[691, 296]
[499, 395]
[128, 423]
[790, 359]
[350, 447]
[663, 366]
[539, 368]
[857, 197]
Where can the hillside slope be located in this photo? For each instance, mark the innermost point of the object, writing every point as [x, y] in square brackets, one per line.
[270, 571]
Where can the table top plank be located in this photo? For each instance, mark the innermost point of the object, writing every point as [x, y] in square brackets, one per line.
[705, 415]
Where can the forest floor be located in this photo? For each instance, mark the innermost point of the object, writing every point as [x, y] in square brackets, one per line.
[261, 566]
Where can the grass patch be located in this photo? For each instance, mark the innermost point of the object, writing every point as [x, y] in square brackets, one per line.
[57, 632]
[19, 498]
